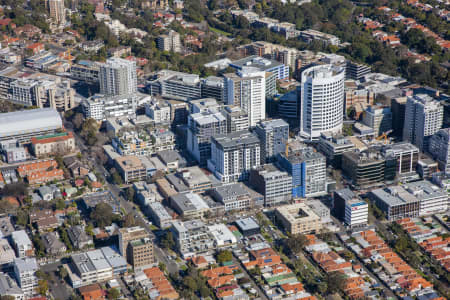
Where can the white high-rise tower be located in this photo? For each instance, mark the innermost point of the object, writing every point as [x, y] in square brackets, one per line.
[118, 77]
[246, 89]
[322, 100]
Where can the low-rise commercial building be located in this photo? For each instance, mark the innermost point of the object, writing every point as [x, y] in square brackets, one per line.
[159, 215]
[333, 146]
[233, 196]
[58, 143]
[189, 206]
[248, 226]
[351, 209]
[131, 168]
[395, 202]
[298, 218]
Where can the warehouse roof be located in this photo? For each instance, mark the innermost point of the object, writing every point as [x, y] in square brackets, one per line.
[29, 121]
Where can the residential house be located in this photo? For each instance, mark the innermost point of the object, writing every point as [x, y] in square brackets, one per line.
[52, 244]
[79, 238]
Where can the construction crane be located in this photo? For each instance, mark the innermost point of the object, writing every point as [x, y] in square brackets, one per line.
[384, 136]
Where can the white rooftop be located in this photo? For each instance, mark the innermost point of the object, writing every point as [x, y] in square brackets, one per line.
[26, 121]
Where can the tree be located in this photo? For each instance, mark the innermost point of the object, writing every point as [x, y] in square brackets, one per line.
[60, 204]
[22, 217]
[335, 281]
[162, 266]
[129, 221]
[224, 256]
[190, 283]
[130, 194]
[62, 272]
[204, 291]
[296, 243]
[102, 214]
[42, 287]
[113, 293]
[77, 120]
[167, 241]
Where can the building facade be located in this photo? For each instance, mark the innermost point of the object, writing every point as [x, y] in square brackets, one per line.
[201, 127]
[274, 184]
[274, 135]
[423, 118]
[308, 171]
[233, 155]
[298, 219]
[118, 77]
[322, 98]
[439, 149]
[246, 89]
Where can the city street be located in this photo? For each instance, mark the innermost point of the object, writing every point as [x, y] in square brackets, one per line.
[128, 207]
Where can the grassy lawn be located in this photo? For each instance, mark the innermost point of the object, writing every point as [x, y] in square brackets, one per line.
[219, 31]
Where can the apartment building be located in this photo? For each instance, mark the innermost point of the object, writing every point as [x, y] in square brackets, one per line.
[246, 89]
[140, 253]
[308, 171]
[440, 149]
[169, 42]
[40, 171]
[201, 127]
[298, 219]
[191, 237]
[159, 215]
[274, 135]
[25, 273]
[378, 118]
[22, 243]
[54, 93]
[273, 183]
[85, 70]
[233, 155]
[423, 118]
[126, 235]
[237, 118]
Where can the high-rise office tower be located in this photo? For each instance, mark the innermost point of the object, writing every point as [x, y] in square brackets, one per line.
[322, 100]
[274, 135]
[423, 118]
[246, 89]
[57, 11]
[118, 77]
